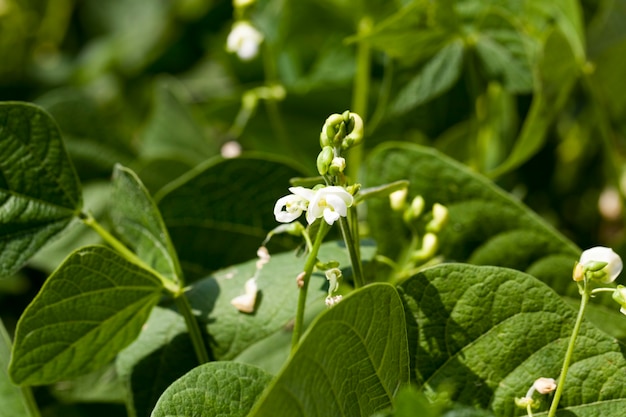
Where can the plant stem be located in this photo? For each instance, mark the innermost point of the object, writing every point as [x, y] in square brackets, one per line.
[360, 92]
[355, 260]
[175, 289]
[29, 402]
[192, 326]
[570, 350]
[308, 270]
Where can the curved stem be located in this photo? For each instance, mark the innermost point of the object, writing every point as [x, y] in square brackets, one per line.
[355, 260]
[29, 402]
[192, 326]
[308, 270]
[570, 350]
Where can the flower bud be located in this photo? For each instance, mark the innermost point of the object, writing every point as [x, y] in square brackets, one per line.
[430, 245]
[599, 264]
[330, 129]
[397, 199]
[337, 166]
[440, 218]
[544, 385]
[619, 295]
[246, 302]
[355, 132]
[413, 212]
[324, 160]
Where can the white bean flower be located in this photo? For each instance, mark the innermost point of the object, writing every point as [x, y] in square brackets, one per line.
[244, 40]
[329, 202]
[600, 264]
[294, 204]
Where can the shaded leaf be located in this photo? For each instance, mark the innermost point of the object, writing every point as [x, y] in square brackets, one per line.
[39, 189]
[351, 361]
[558, 72]
[161, 354]
[209, 211]
[136, 219]
[490, 332]
[436, 77]
[90, 308]
[213, 389]
[486, 226]
[172, 131]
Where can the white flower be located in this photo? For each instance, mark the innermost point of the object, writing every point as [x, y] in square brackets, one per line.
[244, 40]
[588, 264]
[294, 204]
[330, 203]
[544, 385]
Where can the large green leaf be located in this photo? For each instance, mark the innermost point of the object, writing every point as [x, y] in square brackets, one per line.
[221, 211]
[489, 332]
[136, 219]
[436, 77]
[39, 189]
[213, 389]
[351, 361]
[486, 226]
[11, 397]
[90, 308]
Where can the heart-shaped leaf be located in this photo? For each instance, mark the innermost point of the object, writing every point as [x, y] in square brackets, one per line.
[137, 220]
[213, 389]
[39, 189]
[351, 361]
[490, 332]
[90, 308]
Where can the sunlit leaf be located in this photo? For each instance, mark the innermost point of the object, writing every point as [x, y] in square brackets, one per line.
[11, 396]
[488, 333]
[90, 308]
[351, 362]
[213, 389]
[39, 189]
[136, 219]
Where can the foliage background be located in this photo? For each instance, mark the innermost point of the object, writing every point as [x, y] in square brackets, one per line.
[529, 94]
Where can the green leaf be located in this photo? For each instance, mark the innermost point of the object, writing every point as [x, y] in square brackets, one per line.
[39, 189]
[503, 50]
[161, 354]
[90, 308]
[137, 221]
[436, 77]
[558, 72]
[209, 211]
[172, 130]
[14, 404]
[486, 226]
[491, 332]
[213, 389]
[351, 361]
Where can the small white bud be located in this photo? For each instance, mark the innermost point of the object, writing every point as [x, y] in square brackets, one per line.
[245, 303]
[544, 385]
[397, 199]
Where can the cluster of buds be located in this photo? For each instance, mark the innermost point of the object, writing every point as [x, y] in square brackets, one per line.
[413, 211]
[342, 131]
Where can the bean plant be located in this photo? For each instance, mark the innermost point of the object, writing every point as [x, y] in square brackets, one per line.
[312, 208]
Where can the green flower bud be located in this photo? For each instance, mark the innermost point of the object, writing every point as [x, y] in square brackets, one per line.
[397, 199]
[324, 159]
[413, 212]
[619, 295]
[355, 132]
[330, 129]
[337, 166]
[440, 218]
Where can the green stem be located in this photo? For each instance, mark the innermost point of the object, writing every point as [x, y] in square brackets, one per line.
[360, 92]
[529, 409]
[29, 402]
[355, 260]
[192, 326]
[311, 260]
[175, 289]
[570, 350]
